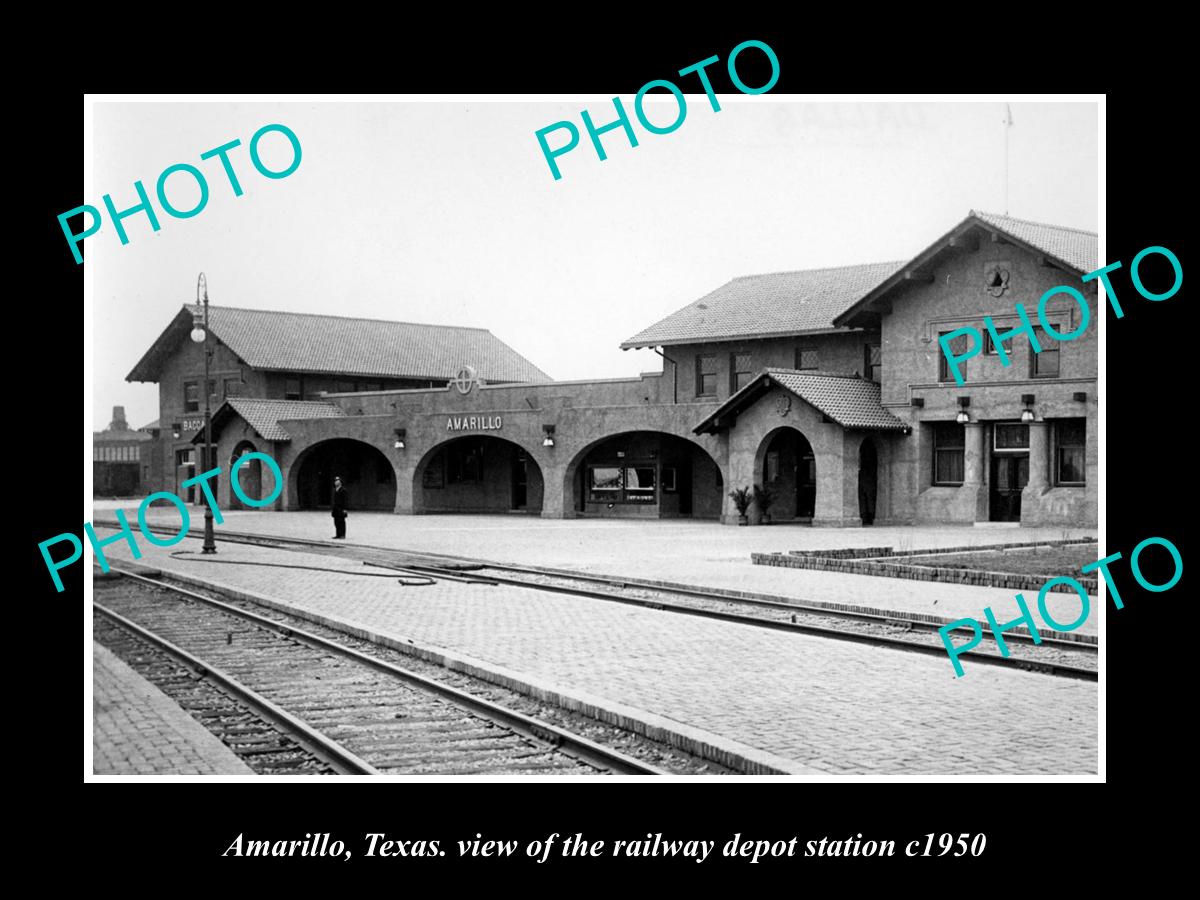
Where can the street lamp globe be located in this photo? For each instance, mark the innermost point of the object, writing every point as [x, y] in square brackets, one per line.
[198, 334]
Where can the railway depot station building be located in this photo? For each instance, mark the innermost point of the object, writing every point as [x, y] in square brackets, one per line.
[827, 387]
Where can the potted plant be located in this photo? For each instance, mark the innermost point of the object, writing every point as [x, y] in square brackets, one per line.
[741, 499]
[764, 498]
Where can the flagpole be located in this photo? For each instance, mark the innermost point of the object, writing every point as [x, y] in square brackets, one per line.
[1007, 125]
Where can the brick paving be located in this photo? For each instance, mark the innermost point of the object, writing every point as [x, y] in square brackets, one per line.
[139, 730]
[831, 705]
[686, 551]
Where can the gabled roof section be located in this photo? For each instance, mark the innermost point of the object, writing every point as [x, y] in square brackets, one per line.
[302, 342]
[848, 400]
[264, 415]
[1071, 249]
[773, 305]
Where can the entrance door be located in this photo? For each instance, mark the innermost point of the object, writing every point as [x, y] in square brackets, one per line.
[1010, 474]
[520, 480]
[867, 481]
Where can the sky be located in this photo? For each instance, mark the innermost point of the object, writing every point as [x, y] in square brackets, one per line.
[447, 213]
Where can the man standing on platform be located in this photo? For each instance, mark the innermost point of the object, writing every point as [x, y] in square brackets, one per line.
[341, 503]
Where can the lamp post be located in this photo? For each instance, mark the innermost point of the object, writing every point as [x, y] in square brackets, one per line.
[200, 336]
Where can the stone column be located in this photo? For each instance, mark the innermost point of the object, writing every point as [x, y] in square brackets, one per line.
[555, 499]
[974, 488]
[1039, 456]
[1032, 512]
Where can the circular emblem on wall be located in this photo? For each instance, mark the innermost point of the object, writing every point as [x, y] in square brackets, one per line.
[465, 379]
[996, 279]
[783, 404]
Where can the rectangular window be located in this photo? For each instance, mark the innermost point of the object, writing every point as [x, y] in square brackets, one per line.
[706, 376]
[807, 358]
[191, 396]
[1044, 364]
[213, 397]
[1010, 436]
[739, 371]
[958, 346]
[639, 484]
[292, 388]
[605, 483]
[949, 444]
[989, 346]
[233, 387]
[343, 387]
[1070, 451]
[872, 362]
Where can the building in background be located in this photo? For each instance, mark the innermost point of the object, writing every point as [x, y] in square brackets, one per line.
[117, 458]
[289, 359]
[827, 388]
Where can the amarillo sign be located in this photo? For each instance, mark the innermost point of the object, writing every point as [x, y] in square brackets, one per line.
[474, 423]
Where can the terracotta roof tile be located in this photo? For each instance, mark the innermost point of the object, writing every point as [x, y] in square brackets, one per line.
[264, 415]
[1074, 246]
[763, 305]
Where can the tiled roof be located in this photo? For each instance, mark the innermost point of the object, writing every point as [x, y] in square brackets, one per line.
[848, 400]
[1073, 246]
[762, 305]
[150, 426]
[302, 342]
[264, 415]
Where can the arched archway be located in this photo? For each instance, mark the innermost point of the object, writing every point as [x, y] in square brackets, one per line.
[787, 467]
[644, 474]
[478, 474]
[249, 476]
[868, 480]
[366, 473]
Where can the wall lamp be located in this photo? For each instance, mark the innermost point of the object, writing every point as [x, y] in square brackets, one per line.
[1027, 413]
[176, 428]
[963, 416]
[548, 440]
[401, 433]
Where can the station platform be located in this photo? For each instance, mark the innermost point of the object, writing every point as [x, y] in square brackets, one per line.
[796, 703]
[684, 551]
[139, 730]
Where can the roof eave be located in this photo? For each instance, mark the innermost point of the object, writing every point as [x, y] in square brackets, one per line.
[905, 273]
[751, 336]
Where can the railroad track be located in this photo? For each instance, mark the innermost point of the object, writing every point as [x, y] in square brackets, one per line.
[348, 711]
[1053, 656]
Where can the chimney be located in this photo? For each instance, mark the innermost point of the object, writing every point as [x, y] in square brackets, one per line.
[118, 422]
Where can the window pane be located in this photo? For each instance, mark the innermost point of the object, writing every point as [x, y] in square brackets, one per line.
[1071, 465]
[807, 358]
[606, 479]
[958, 346]
[948, 466]
[1012, 437]
[708, 384]
[291, 390]
[740, 380]
[1045, 364]
[639, 479]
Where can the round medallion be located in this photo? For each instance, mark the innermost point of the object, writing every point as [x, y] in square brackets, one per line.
[465, 379]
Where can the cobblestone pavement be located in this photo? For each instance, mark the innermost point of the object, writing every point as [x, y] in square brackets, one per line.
[832, 705]
[139, 730]
[702, 553]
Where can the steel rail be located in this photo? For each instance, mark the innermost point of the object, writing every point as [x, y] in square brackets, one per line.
[581, 748]
[320, 745]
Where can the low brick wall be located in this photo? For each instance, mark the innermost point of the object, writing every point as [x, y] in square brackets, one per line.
[880, 552]
[872, 566]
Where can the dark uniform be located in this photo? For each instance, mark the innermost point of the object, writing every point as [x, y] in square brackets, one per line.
[341, 504]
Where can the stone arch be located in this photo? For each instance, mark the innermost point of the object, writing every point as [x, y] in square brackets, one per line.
[478, 473]
[786, 464]
[644, 473]
[368, 475]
